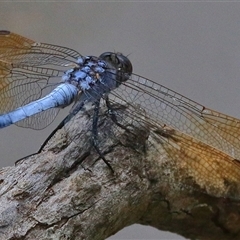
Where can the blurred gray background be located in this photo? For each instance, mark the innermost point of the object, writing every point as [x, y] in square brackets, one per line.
[191, 47]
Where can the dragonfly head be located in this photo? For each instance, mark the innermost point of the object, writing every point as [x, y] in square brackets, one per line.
[121, 63]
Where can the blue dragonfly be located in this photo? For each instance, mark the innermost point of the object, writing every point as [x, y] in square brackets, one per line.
[29, 96]
[38, 79]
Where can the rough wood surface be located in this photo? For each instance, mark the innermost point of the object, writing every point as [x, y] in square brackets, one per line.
[67, 192]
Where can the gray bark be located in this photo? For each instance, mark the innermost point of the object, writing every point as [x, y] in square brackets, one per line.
[67, 192]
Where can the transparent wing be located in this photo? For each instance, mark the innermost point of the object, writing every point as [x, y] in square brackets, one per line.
[214, 171]
[198, 166]
[16, 49]
[40, 120]
[168, 108]
[28, 71]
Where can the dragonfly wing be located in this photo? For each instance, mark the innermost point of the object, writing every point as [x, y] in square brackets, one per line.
[18, 49]
[212, 170]
[11, 41]
[171, 109]
[19, 86]
[40, 120]
[29, 70]
[198, 165]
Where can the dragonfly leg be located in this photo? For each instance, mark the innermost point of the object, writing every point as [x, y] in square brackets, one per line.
[61, 124]
[46, 141]
[113, 115]
[95, 134]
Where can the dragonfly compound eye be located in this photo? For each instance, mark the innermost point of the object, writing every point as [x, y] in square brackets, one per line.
[120, 62]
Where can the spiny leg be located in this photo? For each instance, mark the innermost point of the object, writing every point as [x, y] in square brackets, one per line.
[113, 115]
[95, 134]
[60, 126]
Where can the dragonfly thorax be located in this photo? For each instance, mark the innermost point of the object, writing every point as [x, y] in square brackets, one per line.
[87, 72]
[110, 69]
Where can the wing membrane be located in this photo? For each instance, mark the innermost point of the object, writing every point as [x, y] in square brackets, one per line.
[18, 49]
[40, 120]
[168, 108]
[29, 70]
[196, 162]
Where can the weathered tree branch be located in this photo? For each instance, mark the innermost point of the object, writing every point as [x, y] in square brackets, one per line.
[67, 192]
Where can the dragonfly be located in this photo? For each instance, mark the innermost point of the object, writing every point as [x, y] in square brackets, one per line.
[38, 79]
